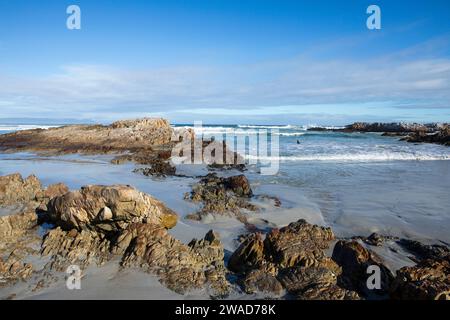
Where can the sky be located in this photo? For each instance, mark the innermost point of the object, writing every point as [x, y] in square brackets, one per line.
[225, 61]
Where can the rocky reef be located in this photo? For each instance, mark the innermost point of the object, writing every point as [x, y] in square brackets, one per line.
[438, 133]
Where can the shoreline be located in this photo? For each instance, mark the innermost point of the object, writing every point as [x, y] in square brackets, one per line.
[255, 278]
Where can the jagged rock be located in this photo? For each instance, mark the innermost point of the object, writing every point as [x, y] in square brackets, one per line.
[291, 258]
[85, 209]
[422, 251]
[375, 240]
[299, 278]
[15, 225]
[355, 260]
[239, 185]
[298, 243]
[74, 247]
[158, 168]
[261, 281]
[180, 267]
[13, 270]
[328, 292]
[429, 280]
[52, 191]
[222, 196]
[249, 255]
[16, 190]
[442, 136]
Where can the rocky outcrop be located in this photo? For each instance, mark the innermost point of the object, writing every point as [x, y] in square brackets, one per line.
[13, 269]
[411, 132]
[390, 127]
[249, 255]
[292, 260]
[108, 209]
[298, 243]
[158, 169]
[75, 247]
[15, 225]
[423, 252]
[355, 261]
[429, 280]
[16, 190]
[442, 136]
[224, 196]
[180, 267]
[121, 136]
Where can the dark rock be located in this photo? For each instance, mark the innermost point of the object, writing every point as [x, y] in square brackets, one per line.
[261, 281]
[249, 255]
[355, 261]
[422, 251]
[299, 243]
[225, 196]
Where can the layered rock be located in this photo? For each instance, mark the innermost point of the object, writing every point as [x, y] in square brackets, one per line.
[121, 136]
[428, 280]
[291, 259]
[16, 190]
[75, 247]
[108, 209]
[15, 225]
[180, 267]
[298, 243]
[157, 169]
[13, 269]
[224, 196]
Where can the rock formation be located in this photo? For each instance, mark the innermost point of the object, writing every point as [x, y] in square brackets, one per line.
[355, 261]
[180, 267]
[290, 259]
[108, 209]
[224, 196]
[429, 280]
[121, 136]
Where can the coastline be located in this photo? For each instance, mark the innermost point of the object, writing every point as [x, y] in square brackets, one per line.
[80, 170]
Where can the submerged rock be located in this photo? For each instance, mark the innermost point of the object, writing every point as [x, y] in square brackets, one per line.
[423, 252]
[158, 169]
[442, 136]
[108, 209]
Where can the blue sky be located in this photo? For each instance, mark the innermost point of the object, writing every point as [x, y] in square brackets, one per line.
[247, 61]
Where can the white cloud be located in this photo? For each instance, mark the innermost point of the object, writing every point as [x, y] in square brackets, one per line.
[81, 91]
